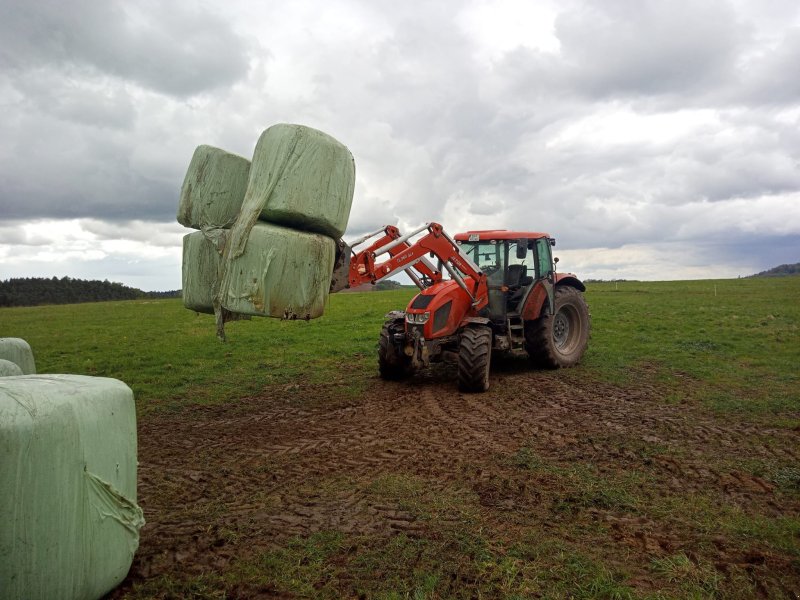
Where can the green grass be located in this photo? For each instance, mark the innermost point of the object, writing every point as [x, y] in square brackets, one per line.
[731, 344]
[170, 356]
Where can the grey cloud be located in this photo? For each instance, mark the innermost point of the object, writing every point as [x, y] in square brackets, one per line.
[167, 47]
[67, 95]
[651, 47]
[154, 233]
[436, 133]
[769, 78]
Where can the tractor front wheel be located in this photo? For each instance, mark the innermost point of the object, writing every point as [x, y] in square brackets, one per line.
[559, 339]
[474, 358]
[392, 363]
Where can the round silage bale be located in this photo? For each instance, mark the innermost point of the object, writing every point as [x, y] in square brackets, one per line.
[213, 189]
[301, 178]
[9, 369]
[201, 262]
[19, 352]
[67, 486]
[281, 273]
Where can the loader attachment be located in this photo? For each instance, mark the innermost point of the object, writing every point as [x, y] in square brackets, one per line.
[341, 267]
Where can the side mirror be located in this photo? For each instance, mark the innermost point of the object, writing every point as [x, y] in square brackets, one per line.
[555, 260]
[522, 248]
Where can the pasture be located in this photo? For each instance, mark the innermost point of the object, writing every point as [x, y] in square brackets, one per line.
[278, 464]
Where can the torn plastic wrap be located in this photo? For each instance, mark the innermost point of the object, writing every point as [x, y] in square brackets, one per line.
[213, 189]
[282, 273]
[299, 178]
[67, 486]
[19, 352]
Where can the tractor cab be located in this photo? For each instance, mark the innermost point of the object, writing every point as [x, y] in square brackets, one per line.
[512, 261]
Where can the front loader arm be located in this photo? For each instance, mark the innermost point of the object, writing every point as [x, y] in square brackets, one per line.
[366, 266]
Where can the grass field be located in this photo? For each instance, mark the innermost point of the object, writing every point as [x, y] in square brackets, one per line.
[666, 465]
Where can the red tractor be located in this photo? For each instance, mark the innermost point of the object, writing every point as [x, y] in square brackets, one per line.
[503, 294]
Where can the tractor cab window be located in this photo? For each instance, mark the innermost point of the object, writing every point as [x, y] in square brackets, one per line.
[544, 264]
[520, 268]
[490, 258]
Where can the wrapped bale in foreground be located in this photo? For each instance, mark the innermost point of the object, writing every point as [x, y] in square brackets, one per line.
[300, 178]
[67, 486]
[281, 273]
[213, 189]
[201, 263]
[19, 352]
[9, 369]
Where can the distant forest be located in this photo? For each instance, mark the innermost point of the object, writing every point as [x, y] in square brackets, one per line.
[780, 271]
[33, 291]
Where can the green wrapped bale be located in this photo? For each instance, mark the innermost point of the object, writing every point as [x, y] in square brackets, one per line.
[213, 189]
[9, 369]
[18, 351]
[282, 273]
[300, 178]
[200, 272]
[67, 486]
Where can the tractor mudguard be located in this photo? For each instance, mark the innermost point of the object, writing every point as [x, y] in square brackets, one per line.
[538, 296]
[475, 321]
[570, 280]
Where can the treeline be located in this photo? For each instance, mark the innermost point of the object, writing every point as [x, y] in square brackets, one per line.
[33, 291]
[780, 271]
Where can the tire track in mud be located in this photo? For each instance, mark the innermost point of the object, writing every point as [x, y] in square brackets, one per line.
[250, 474]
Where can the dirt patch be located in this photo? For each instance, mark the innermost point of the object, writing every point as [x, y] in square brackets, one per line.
[602, 467]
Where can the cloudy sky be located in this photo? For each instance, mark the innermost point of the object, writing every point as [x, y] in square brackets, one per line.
[653, 139]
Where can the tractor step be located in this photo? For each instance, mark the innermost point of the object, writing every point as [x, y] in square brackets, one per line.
[516, 330]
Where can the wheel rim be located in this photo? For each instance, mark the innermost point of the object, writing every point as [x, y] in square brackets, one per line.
[562, 329]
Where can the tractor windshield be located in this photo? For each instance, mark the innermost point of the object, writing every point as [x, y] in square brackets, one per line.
[490, 258]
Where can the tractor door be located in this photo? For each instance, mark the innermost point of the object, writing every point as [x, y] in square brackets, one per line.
[521, 272]
[490, 256]
[545, 269]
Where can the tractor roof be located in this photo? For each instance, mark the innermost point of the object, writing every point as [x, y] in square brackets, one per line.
[498, 234]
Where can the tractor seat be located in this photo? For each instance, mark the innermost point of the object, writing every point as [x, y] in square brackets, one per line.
[518, 281]
[516, 273]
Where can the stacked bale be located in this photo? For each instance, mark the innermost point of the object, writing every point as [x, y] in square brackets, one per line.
[17, 351]
[201, 268]
[9, 369]
[277, 258]
[213, 189]
[211, 198]
[281, 273]
[67, 486]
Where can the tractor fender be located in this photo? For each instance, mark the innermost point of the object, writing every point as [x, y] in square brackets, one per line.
[538, 295]
[475, 321]
[570, 280]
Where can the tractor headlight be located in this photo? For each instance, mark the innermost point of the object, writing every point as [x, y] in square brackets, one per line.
[419, 318]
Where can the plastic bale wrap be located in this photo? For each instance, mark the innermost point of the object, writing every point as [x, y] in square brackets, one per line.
[200, 272]
[18, 351]
[213, 189]
[300, 178]
[67, 486]
[282, 273]
[9, 369]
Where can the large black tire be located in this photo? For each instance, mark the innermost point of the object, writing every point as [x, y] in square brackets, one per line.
[474, 358]
[392, 363]
[559, 340]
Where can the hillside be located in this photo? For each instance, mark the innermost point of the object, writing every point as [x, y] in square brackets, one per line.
[33, 291]
[780, 271]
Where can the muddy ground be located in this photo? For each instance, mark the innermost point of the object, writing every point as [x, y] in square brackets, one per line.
[619, 473]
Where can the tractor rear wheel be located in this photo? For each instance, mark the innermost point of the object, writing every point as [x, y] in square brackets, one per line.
[392, 363]
[560, 339]
[474, 358]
